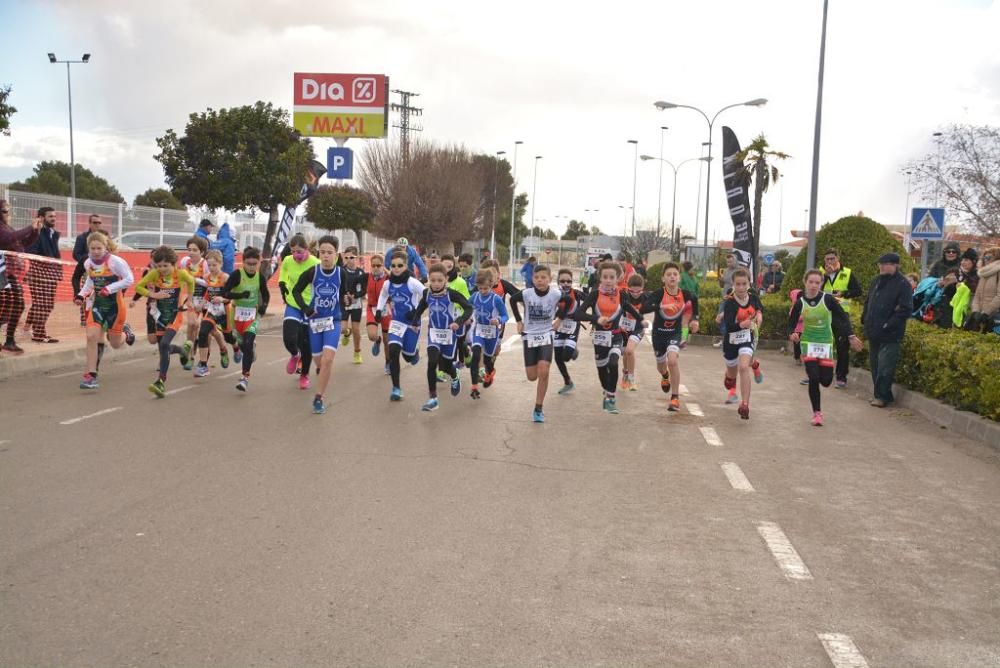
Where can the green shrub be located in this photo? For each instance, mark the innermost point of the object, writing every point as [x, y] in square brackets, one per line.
[654, 276]
[710, 287]
[861, 241]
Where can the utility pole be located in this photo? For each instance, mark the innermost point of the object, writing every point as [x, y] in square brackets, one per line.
[405, 111]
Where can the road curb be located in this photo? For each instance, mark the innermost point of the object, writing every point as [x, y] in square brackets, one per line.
[22, 365]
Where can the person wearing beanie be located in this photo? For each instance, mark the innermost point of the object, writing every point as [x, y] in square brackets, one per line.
[984, 310]
[949, 260]
[887, 308]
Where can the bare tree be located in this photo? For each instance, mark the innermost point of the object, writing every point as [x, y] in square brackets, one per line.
[638, 246]
[966, 176]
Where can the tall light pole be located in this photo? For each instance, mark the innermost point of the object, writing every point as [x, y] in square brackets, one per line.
[659, 192]
[534, 192]
[929, 247]
[625, 210]
[661, 105]
[781, 207]
[697, 204]
[635, 174]
[814, 188]
[493, 233]
[673, 214]
[513, 211]
[72, 158]
[906, 210]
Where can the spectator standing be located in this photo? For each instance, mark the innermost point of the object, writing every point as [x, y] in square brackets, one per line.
[949, 260]
[984, 311]
[43, 277]
[887, 308]
[80, 254]
[689, 279]
[528, 271]
[726, 275]
[205, 230]
[773, 278]
[12, 296]
[224, 243]
[844, 285]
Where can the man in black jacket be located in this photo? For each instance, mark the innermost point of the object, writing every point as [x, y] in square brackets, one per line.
[80, 253]
[887, 308]
[43, 277]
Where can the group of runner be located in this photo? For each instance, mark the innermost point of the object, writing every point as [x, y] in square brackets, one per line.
[327, 294]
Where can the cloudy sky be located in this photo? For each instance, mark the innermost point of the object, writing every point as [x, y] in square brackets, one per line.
[573, 80]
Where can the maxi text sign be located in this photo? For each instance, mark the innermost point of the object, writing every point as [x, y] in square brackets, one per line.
[341, 105]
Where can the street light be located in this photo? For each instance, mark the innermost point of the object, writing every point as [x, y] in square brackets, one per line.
[673, 215]
[662, 106]
[659, 191]
[72, 158]
[534, 191]
[814, 184]
[493, 233]
[513, 209]
[635, 173]
[625, 210]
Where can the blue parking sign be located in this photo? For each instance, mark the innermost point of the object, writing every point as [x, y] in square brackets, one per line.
[339, 163]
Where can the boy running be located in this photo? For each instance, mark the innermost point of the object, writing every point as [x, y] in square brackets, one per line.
[355, 285]
[248, 291]
[669, 306]
[401, 294]
[217, 319]
[194, 264]
[565, 349]
[378, 330]
[742, 314]
[490, 315]
[295, 329]
[632, 330]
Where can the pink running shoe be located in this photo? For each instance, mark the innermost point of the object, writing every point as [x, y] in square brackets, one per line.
[304, 383]
[817, 420]
[293, 363]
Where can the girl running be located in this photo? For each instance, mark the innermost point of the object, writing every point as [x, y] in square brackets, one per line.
[247, 289]
[458, 284]
[442, 330]
[632, 330]
[669, 306]
[294, 328]
[401, 294]
[818, 316]
[217, 319]
[107, 276]
[742, 314]
[194, 264]
[378, 330]
[355, 285]
[566, 337]
[490, 315]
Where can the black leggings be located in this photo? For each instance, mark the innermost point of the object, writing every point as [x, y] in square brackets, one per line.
[435, 362]
[395, 351]
[205, 330]
[608, 371]
[249, 351]
[563, 355]
[488, 361]
[166, 348]
[818, 375]
[295, 336]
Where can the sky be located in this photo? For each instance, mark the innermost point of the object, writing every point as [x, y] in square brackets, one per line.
[573, 81]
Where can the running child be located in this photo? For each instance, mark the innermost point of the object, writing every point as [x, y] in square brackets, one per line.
[443, 327]
[504, 289]
[247, 289]
[294, 329]
[458, 284]
[150, 321]
[217, 320]
[542, 306]
[194, 264]
[742, 314]
[401, 293]
[632, 330]
[670, 306]
[378, 330]
[170, 289]
[820, 318]
[355, 285]
[608, 304]
[107, 276]
[490, 315]
[564, 346]
[322, 310]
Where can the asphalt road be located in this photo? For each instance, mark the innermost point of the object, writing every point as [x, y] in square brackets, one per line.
[215, 528]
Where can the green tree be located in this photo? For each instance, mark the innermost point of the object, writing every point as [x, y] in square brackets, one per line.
[781, 255]
[756, 168]
[6, 110]
[595, 231]
[52, 178]
[160, 198]
[574, 229]
[339, 207]
[241, 158]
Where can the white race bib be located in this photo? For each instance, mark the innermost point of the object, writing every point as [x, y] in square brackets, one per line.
[198, 302]
[602, 337]
[320, 325]
[397, 328]
[567, 326]
[820, 351]
[216, 309]
[442, 337]
[353, 306]
[486, 331]
[627, 323]
[538, 340]
[246, 313]
[740, 336]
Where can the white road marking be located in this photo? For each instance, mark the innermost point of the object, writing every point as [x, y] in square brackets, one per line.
[509, 343]
[133, 361]
[684, 390]
[842, 651]
[695, 410]
[736, 477]
[92, 415]
[179, 389]
[77, 372]
[4, 442]
[233, 374]
[80, 373]
[781, 548]
[280, 359]
[710, 436]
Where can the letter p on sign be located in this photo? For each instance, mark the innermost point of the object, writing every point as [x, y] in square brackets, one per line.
[339, 163]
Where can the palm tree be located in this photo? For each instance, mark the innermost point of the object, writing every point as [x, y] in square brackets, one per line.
[755, 159]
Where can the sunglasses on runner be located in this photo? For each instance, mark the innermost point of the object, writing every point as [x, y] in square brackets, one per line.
[350, 257]
[566, 282]
[397, 266]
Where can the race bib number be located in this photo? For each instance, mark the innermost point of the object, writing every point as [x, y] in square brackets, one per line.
[442, 337]
[216, 309]
[397, 328]
[820, 351]
[567, 326]
[153, 311]
[198, 302]
[602, 338]
[740, 336]
[246, 313]
[538, 340]
[320, 325]
[353, 306]
[627, 323]
[486, 331]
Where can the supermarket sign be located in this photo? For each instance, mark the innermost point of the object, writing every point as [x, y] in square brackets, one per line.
[341, 105]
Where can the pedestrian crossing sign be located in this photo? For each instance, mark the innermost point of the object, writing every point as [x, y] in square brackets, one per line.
[927, 224]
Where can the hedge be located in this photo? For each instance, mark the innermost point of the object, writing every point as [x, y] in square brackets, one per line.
[775, 325]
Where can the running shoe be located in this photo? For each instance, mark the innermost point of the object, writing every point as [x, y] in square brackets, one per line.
[609, 406]
[304, 383]
[396, 394]
[625, 382]
[430, 405]
[129, 334]
[566, 389]
[475, 392]
[732, 397]
[242, 385]
[489, 378]
[11, 347]
[201, 371]
[293, 362]
[443, 377]
[357, 357]
[185, 356]
[817, 420]
[456, 385]
[345, 338]
[318, 406]
[675, 404]
[758, 375]
[159, 388]
[632, 385]
[841, 384]
[538, 416]
[468, 358]
[744, 411]
[576, 353]
[224, 359]
[388, 371]
[376, 347]
[665, 384]
[238, 355]
[89, 382]
[804, 381]
[415, 360]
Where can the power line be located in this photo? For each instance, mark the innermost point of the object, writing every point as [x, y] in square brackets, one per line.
[405, 111]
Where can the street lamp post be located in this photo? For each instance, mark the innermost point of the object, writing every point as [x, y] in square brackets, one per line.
[513, 211]
[673, 213]
[659, 192]
[72, 158]
[635, 174]
[814, 187]
[625, 210]
[661, 105]
[534, 192]
[493, 232]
